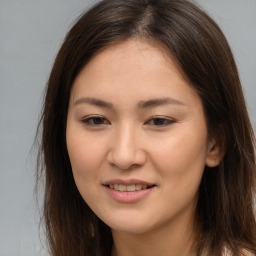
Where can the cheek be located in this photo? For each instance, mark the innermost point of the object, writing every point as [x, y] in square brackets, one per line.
[85, 162]
[85, 155]
[181, 158]
[181, 168]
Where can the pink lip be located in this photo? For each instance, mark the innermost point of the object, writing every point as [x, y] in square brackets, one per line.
[128, 197]
[127, 182]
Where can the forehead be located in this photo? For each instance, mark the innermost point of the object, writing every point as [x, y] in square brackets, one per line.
[134, 51]
[133, 68]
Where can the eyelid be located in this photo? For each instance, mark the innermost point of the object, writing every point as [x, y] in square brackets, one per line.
[86, 120]
[168, 119]
[90, 121]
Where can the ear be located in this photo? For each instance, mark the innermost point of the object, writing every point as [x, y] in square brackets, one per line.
[215, 153]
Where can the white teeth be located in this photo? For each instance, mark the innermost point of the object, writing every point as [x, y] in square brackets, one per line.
[122, 188]
[129, 188]
[138, 187]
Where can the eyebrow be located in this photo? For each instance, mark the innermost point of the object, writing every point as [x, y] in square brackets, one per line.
[141, 104]
[93, 101]
[159, 102]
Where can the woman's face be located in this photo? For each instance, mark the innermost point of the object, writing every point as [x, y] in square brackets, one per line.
[137, 138]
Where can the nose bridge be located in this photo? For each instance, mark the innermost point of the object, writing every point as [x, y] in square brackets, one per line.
[125, 150]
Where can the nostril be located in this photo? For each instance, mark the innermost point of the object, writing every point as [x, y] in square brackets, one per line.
[126, 157]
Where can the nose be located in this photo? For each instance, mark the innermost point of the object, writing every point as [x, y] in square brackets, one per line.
[126, 150]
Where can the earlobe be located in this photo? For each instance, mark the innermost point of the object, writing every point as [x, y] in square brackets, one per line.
[214, 154]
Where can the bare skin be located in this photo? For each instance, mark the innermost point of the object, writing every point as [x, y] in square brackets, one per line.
[133, 119]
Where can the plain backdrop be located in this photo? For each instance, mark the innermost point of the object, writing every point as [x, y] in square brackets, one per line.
[31, 32]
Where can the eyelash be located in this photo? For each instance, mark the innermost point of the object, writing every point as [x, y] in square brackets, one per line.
[164, 121]
[92, 121]
[97, 121]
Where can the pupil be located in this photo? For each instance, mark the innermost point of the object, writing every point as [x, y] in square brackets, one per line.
[98, 120]
[159, 121]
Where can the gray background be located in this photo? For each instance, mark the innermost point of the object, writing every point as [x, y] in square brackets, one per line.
[31, 32]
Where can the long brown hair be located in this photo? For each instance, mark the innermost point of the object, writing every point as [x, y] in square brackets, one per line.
[196, 43]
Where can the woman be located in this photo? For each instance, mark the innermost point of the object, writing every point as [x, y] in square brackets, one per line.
[147, 147]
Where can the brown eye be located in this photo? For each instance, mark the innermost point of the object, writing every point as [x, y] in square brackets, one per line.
[95, 121]
[160, 121]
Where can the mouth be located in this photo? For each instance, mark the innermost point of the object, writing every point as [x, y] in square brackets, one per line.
[129, 188]
[129, 191]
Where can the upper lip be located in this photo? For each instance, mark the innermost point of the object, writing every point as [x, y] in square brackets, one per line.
[128, 182]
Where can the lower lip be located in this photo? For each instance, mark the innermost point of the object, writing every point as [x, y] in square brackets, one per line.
[128, 197]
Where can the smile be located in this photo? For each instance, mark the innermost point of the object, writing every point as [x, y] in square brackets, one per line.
[129, 188]
[129, 191]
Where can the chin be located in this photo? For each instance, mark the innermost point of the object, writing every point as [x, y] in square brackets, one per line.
[136, 226]
[131, 229]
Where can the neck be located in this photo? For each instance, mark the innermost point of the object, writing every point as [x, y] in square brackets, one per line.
[175, 239]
